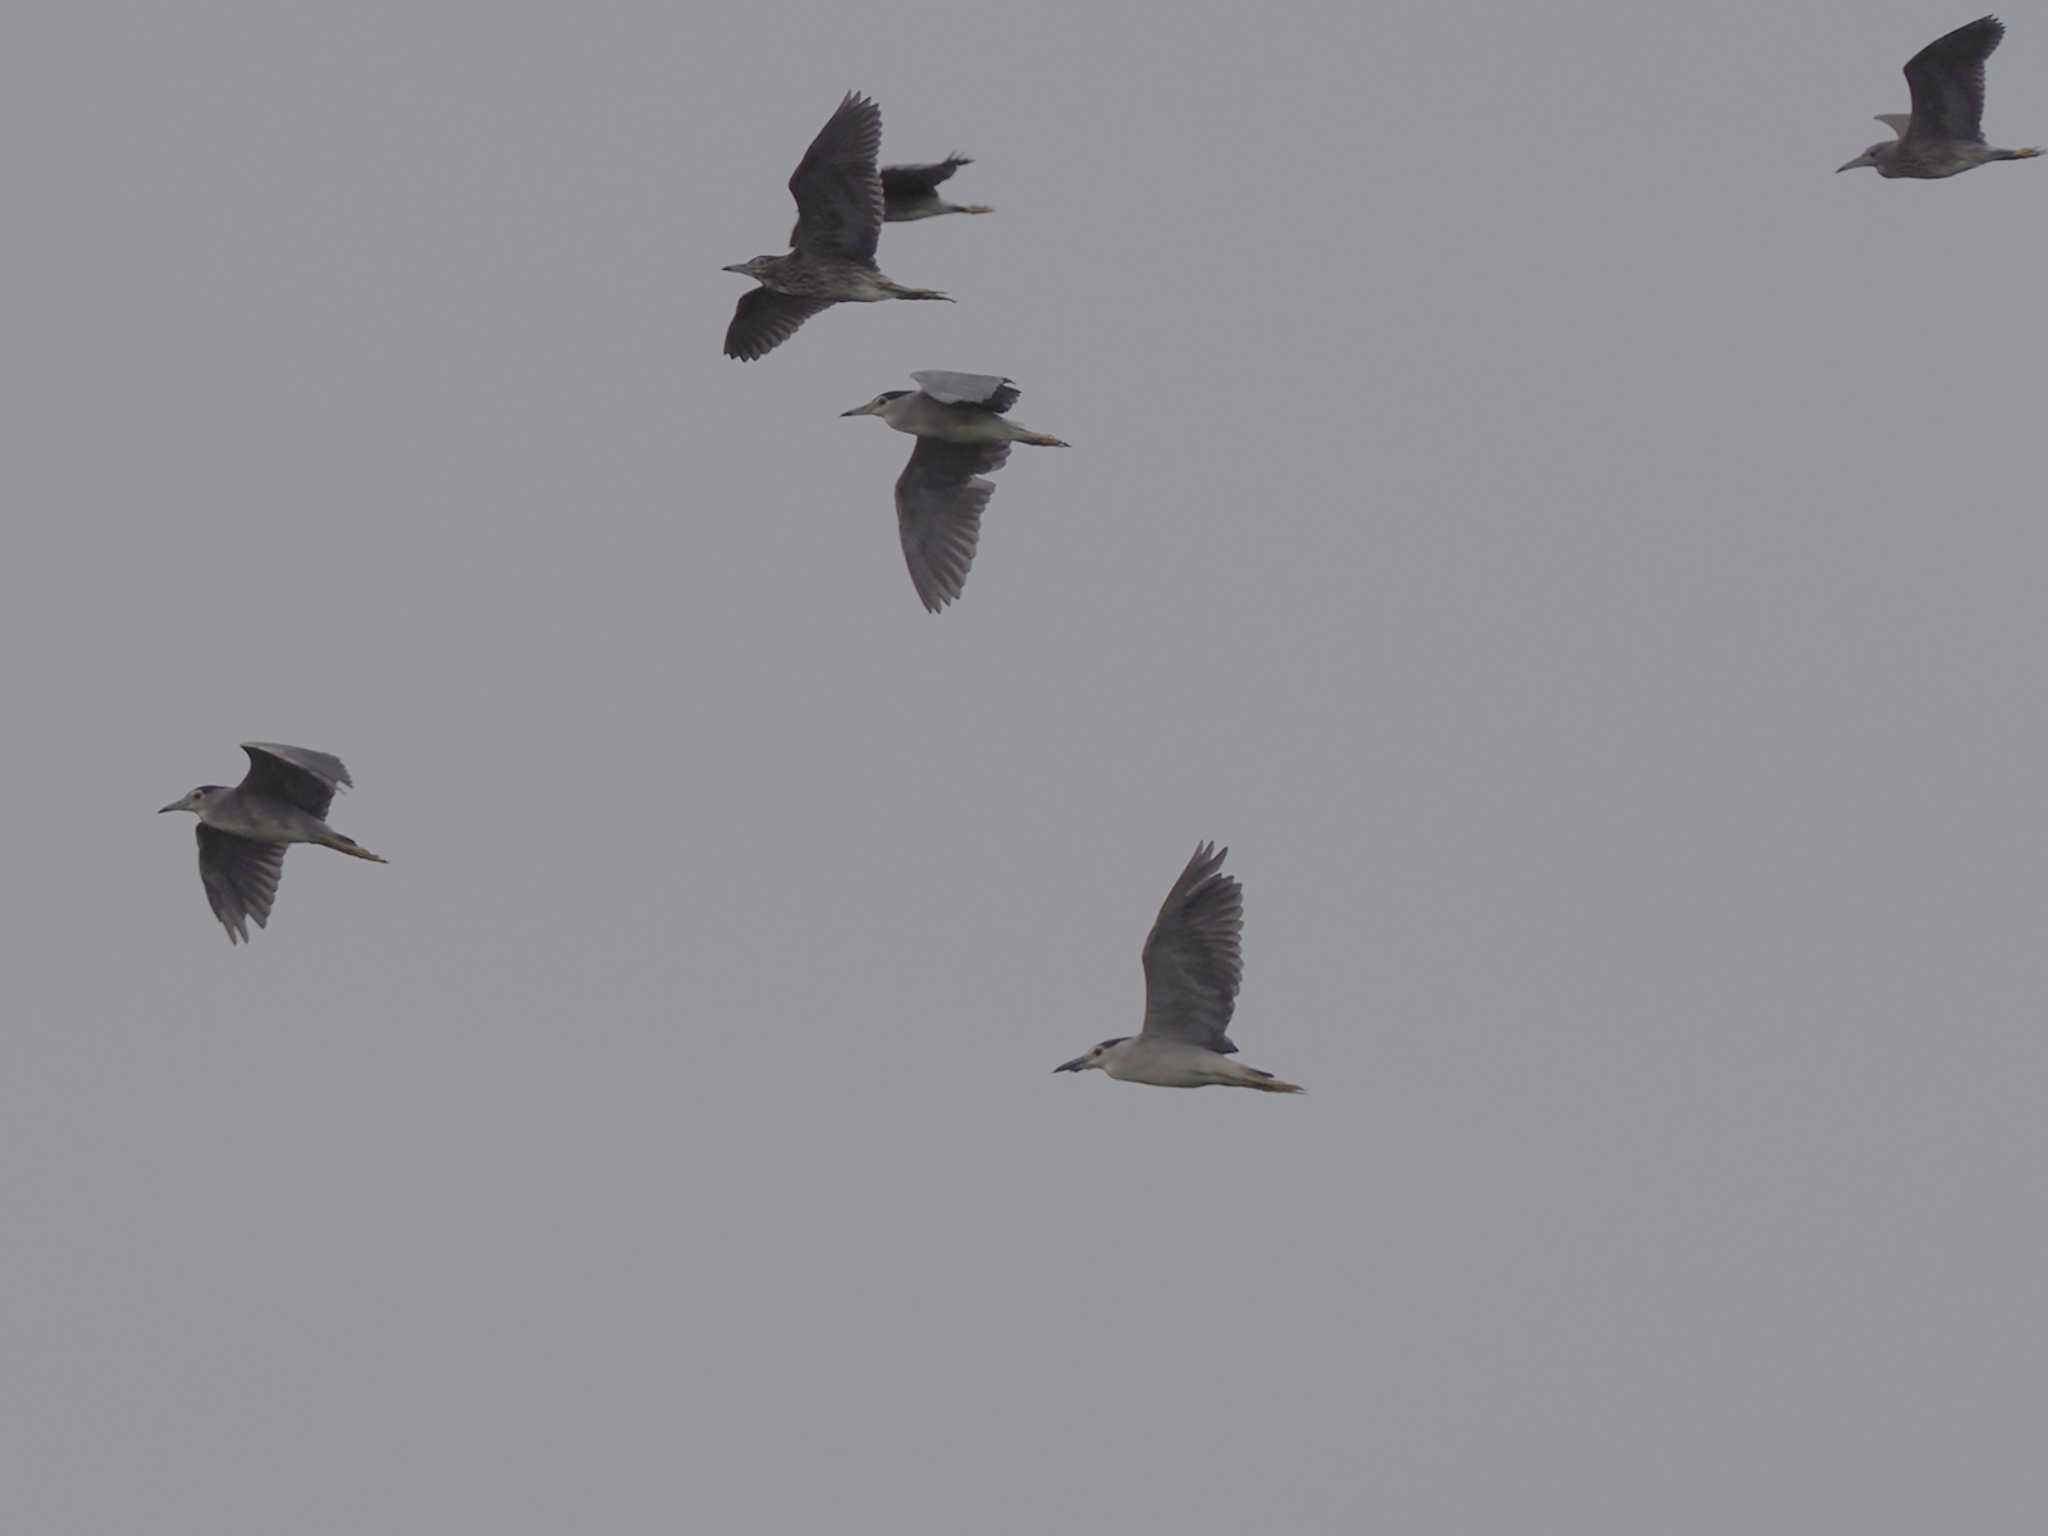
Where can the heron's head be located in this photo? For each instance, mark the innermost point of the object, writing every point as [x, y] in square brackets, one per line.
[1877, 154]
[755, 267]
[879, 406]
[193, 800]
[1095, 1056]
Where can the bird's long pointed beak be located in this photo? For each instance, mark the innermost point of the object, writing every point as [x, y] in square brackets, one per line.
[736, 267]
[1072, 1066]
[858, 410]
[171, 807]
[1859, 160]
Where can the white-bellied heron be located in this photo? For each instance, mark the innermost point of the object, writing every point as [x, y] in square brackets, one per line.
[962, 433]
[1194, 964]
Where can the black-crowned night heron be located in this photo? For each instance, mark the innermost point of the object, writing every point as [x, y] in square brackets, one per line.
[244, 831]
[1944, 133]
[912, 192]
[957, 419]
[838, 194]
[1193, 965]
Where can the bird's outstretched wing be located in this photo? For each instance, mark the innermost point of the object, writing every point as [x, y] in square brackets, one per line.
[298, 775]
[912, 183]
[1194, 961]
[983, 389]
[240, 876]
[938, 513]
[1947, 80]
[837, 189]
[764, 320]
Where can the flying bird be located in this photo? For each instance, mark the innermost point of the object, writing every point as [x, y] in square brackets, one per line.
[1944, 133]
[961, 432]
[831, 260]
[1193, 966]
[912, 192]
[244, 831]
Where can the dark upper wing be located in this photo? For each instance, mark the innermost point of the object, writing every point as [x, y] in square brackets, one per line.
[983, 389]
[764, 320]
[913, 183]
[837, 189]
[938, 513]
[1947, 80]
[1194, 960]
[240, 876]
[306, 778]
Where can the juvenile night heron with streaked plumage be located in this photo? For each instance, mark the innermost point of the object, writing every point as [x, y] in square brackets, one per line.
[244, 831]
[1193, 965]
[839, 206]
[962, 433]
[1944, 133]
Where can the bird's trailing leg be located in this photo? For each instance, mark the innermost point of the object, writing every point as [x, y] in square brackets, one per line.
[1235, 1074]
[1267, 1083]
[1044, 441]
[352, 848]
[889, 288]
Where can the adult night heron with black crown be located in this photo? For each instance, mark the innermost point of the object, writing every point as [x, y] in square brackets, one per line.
[962, 434]
[1193, 966]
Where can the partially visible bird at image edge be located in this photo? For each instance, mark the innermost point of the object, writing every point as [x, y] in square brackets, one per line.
[1944, 133]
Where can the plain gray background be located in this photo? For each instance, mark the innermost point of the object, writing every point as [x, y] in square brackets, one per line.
[1583, 557]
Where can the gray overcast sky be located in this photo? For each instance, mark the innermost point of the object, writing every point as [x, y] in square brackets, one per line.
[1583, 556]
